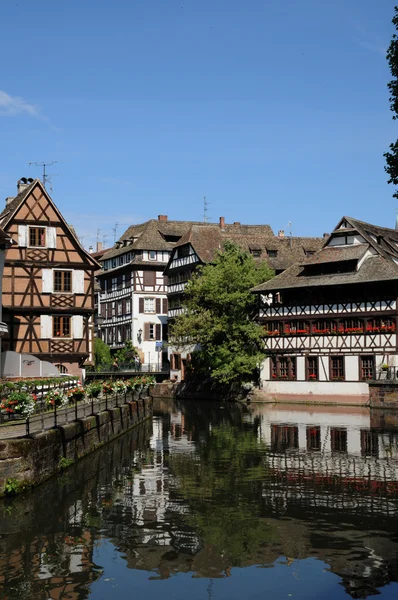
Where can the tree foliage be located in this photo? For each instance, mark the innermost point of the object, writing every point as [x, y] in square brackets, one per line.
[127, 353]
[219, 317]
[102, 353]
[392, 56]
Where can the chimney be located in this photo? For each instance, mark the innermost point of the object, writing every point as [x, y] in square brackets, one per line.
[222, 223]
[99, 247]
[326, 235]
[162, 217]
[281, 233]
[9, 199]
[90, 250]
[23, 184]
[237, 223]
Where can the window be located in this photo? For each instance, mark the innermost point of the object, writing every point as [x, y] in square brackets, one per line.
[325, 327]
[369, 443]
[62, 281]
[119, 335]
[37, 236]
[338, 439]
[273, 328]
[284, 437]
[119, 308]
[313, 438]
[128, 306]
[113, 263]
[62, 327]
[337, 368]
[272, 253]
[309, 252]
[152, 331]
[61, 368]
[296, 328]
[175, 362]
[114, 284]
[367, 365]
[149, 305]
[255, 253]
[183, 251]
[380, 325]
[283, 367]
[152, 254]
[312, 368]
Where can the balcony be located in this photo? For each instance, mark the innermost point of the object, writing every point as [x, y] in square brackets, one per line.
[278, 310]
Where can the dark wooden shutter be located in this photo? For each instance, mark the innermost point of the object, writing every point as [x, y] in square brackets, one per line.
[141, 305]
[165, 280]
[158, 306]
[158, 332]
[109, 309]
[149, 277]
[103, 309]
[146, 331]
[165, 306]
[124, 306]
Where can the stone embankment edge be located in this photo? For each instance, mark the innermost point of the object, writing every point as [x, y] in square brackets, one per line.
[32, 460]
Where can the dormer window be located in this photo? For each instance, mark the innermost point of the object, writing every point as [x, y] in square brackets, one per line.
[272, 253]
[256, 253]
[152, 254]
[309, 252]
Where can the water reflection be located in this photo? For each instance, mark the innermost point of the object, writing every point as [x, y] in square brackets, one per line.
[207, 493]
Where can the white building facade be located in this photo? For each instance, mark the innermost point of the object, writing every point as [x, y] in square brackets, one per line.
[330, 323]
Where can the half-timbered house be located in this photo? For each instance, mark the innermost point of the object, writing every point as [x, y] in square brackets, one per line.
[330, 322]
[133, 296]
[47, 283]
[199, 246]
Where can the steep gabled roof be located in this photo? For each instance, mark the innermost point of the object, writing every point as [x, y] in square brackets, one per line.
[12, 208]
[377, 246]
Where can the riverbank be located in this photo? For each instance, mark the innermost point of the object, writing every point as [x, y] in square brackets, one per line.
[27, 462]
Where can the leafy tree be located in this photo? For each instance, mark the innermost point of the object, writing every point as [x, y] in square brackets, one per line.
[102, 353]
[392, 57]
[219, 317]
[127, 353]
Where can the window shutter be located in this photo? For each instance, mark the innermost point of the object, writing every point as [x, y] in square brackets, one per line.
[141, 305]
[51, 237]
[47, 281]
[46, 326]
[77, 326]
[149, 277]
[124, 306]
[165, 306]
[158, 306]
[78, 282]
[165, 280]
[103, 309]
[146, 331]
[22, 236]
[158, 332]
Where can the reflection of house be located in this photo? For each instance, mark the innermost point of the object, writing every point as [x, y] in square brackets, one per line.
[199, 246]
[326, 446]
[330, 322]
[48, 281]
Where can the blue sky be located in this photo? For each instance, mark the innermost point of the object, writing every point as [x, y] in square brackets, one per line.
[275, 111]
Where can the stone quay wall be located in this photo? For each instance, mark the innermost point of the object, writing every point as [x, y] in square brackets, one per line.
[383, 395]
[30, 461]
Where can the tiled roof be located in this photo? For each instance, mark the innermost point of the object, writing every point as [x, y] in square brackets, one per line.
[331, 254]
[380, 265]
[206, 240]
[375, 268]
[14, 204]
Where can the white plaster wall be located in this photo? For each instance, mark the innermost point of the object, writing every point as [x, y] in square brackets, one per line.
[305, 388]
[352, 368]
[323, 368]
[300, 366]
[139, 319]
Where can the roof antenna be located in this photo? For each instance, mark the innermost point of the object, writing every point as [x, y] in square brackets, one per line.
[396, 219]
[290, 233]
[104, 238]
[45, 177]
[114, 229]
[205, 209]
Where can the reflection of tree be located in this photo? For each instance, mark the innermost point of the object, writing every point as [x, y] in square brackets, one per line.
[222, 484]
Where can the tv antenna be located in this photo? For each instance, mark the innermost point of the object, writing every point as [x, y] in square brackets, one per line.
[45, 177]
[205, 210]
[104, 238]
[290, 232]
[114, 229]
[98, 235]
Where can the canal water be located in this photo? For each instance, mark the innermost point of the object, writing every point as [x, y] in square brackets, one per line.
[216, 502]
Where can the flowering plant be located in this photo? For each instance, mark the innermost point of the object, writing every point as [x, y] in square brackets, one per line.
[20, 403]
[94, 389]
[56, 397]
[312, 376]
[108, 387]
[120, 386]
[75, 394]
